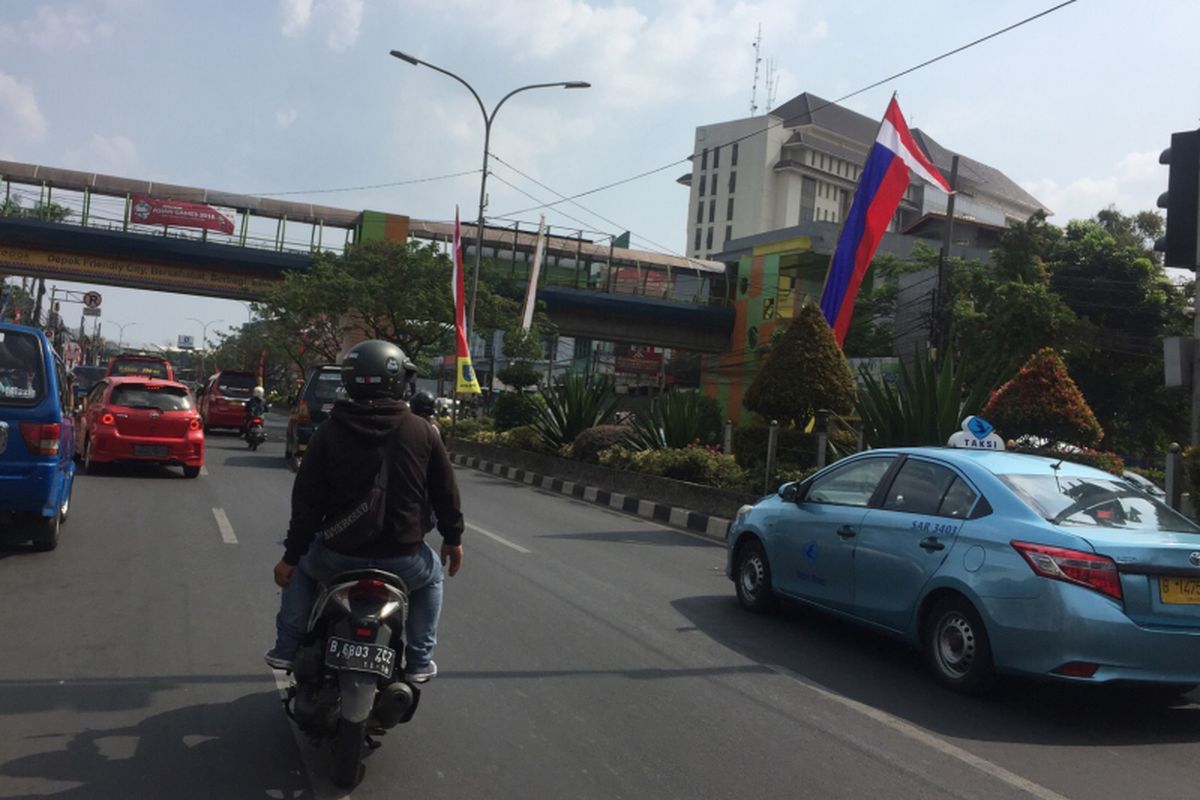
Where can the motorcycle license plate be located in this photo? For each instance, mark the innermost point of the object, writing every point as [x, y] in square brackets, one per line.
[359, 656]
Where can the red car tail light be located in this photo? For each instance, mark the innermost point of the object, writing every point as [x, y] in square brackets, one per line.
[1073, 566]
[41, 438]
[194, 424]
[302, 415]
[107, 418]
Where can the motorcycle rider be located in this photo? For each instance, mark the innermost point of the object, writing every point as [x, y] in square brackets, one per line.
[422, 404]
[341, 462]
[256, 406]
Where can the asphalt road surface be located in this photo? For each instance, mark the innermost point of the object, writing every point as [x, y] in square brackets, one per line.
[583, 654]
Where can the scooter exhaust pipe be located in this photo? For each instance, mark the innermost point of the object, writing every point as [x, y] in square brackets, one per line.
[395, 703]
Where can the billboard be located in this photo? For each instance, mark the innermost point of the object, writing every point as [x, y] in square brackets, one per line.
[187, 342]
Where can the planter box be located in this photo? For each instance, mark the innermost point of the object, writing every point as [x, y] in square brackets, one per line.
[681, 494]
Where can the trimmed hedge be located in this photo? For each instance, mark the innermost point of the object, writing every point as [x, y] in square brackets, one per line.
[514, 409]
[693, 464]
[588, 444]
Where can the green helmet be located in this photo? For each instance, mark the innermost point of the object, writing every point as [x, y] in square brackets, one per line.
[376, 369]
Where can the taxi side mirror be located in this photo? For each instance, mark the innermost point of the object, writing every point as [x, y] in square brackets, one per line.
[788, 492]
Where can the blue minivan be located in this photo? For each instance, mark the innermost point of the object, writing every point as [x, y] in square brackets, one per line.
[37, 437]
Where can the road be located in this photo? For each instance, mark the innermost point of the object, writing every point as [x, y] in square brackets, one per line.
[584, 654]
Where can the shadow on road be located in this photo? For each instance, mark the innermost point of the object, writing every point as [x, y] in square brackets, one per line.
[888, 675]
[257, 460]
[233, 750]
[660, 538]
[100, 694]
[132, 470]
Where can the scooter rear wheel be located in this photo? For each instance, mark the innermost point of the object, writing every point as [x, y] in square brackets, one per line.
[347, 754]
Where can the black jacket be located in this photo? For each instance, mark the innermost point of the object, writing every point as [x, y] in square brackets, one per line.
[342, 460]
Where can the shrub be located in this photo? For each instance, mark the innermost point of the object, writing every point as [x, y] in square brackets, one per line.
[677, 420]
[794, 448]
[1109, 462]
[589, 443]
[519, 374]
[925, 407]
[468, 427]
[693, 464]
[523, 438]
[514, 409]
[787, 475]
[573, 406]
[1044, 402]
[805, 371]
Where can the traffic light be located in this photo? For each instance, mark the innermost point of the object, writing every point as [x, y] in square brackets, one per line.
[1181, 245]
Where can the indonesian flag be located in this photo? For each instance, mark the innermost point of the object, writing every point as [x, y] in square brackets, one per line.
[885, 176]
[465, 381]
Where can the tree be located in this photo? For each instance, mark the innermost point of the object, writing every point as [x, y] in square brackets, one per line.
[1044, 402]
[805, 371]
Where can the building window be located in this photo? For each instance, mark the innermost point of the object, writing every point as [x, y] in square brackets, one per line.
[704, 159]
[696, 242]
[702, 182]
[729, 209]
[712, 210]
[716, 157]
[708, 239]
[700, 212]
[713, 186]
[728, 232]
[733, 156]
[732, 182]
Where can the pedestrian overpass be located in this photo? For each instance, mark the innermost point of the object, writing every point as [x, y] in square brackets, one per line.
[590, 289]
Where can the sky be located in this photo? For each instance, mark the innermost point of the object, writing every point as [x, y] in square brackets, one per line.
[301, 97]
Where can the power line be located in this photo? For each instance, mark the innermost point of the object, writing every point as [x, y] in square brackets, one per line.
[811, 112]
[371, 186]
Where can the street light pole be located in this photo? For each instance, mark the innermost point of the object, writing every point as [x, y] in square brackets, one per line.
[121, 340]
[487, 136]
[203, 340]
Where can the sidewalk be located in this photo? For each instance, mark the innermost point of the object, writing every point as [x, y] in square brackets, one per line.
[706, 525]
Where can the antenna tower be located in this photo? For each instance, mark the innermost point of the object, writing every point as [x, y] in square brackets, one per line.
[772, 81]
[757, 61]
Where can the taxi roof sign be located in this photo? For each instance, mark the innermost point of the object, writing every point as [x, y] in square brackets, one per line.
[976, 434]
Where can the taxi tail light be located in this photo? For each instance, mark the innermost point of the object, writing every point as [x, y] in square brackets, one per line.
[194, 424]
[1073, 566]
[41, 438]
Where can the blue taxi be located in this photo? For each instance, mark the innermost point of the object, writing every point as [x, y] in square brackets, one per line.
[37, 435]
[989, 562]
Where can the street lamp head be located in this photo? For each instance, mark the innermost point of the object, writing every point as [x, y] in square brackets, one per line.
[405, 57]
[577, 85]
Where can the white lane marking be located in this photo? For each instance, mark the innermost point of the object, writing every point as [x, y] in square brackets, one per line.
[497, 538]
[203, 470]
[320, 789]
[926, 738]
[226, 529]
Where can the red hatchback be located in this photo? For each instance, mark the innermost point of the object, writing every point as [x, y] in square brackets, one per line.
[140, 419]
[223, 399]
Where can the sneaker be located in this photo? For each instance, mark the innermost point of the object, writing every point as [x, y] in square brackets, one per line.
[421, 674]
[279, 662]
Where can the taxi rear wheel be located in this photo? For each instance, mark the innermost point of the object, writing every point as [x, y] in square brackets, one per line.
[957, 647]
[753, 579]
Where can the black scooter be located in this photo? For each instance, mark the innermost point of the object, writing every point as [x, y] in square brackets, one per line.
[255, 432]
[349, 673]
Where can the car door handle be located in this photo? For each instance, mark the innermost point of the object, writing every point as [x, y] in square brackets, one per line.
[846, 532]
[931, 544]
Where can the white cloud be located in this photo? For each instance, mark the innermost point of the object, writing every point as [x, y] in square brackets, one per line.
[340, 19]
[284, 119]
[346, 18]
[110, 155]
[296, 15]
[1133, 184]
[21, 121]
[54, 28]
[634, 59]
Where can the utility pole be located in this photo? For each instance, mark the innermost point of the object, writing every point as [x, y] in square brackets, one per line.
[941, 327]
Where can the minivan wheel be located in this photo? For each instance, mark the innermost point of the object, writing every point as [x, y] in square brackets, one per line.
[752, 578]
[44, 532]
[957, 647]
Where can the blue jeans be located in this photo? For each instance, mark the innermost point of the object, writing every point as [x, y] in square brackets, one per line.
[421, 572]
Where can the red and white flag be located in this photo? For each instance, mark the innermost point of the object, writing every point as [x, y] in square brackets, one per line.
[465, 381]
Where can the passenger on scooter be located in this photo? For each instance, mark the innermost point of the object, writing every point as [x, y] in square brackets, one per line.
[256, 406]
[340, 465]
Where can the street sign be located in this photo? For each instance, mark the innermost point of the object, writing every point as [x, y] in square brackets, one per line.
[91, 299]
[88, 311]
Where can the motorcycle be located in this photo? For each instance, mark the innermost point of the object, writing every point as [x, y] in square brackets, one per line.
[349, 673]
[255, 433]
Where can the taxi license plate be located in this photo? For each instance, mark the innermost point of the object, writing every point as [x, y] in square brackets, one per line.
[1179, 591]
[359, 656]
[150, 450]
